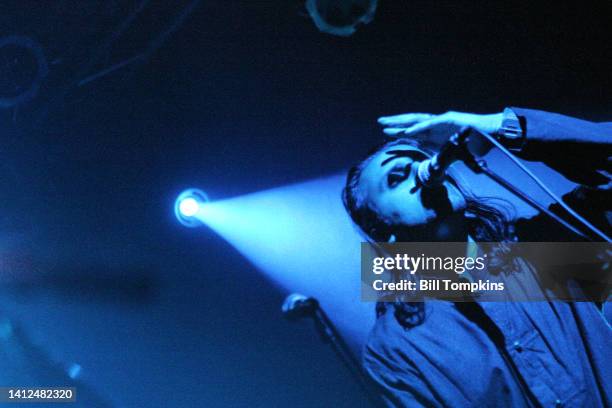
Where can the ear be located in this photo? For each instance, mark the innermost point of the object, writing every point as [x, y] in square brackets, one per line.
[392, 239]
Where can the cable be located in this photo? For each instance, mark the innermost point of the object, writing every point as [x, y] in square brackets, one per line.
[556, 198]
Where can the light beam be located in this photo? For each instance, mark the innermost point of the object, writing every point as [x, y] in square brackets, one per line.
[300, 237]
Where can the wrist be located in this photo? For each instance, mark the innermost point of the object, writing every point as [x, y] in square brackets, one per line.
[494, 123]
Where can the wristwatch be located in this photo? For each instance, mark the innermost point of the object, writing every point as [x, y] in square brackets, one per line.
[511, 133]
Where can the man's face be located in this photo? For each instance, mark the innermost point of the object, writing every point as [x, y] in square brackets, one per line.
[389, 186]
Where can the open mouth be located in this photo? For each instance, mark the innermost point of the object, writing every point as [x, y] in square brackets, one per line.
[436, 199]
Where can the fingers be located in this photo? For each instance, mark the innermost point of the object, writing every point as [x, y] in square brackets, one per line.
[404, 120]
[421, 127]
[394, 131]
[413, 130]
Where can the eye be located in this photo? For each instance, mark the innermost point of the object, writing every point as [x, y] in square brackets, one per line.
[396, 176]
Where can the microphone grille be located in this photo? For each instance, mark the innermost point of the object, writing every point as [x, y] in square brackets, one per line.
[297, 305]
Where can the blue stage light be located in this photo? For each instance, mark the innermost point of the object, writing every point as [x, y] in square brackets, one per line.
[188, 205]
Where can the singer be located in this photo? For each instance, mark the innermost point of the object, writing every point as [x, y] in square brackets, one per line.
[444, 354]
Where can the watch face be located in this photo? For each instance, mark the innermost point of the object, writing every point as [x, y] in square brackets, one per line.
[511, 132]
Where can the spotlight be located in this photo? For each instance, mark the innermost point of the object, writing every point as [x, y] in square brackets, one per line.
[341, 17]
[187, 206]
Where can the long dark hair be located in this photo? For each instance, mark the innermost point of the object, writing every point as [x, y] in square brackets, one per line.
[487, 223]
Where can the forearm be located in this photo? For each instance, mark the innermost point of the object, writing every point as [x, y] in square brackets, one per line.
[577, 148]
[543, 129]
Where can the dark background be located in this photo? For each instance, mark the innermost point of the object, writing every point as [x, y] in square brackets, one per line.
[242, 96]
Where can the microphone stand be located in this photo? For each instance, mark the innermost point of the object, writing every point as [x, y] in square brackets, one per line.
[330, 335]
[481, 167]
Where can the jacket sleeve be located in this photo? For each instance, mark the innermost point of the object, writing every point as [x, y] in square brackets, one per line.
[578, 149]
[545, 127]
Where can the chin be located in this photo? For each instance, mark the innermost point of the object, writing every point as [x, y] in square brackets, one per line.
[451, 228]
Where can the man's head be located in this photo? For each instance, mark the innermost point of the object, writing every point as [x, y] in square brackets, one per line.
[384, 198]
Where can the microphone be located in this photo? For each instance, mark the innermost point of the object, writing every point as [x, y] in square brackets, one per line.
[297, 306]
[431, 172]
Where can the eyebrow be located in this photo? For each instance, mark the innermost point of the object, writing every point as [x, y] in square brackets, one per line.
[396, 154]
